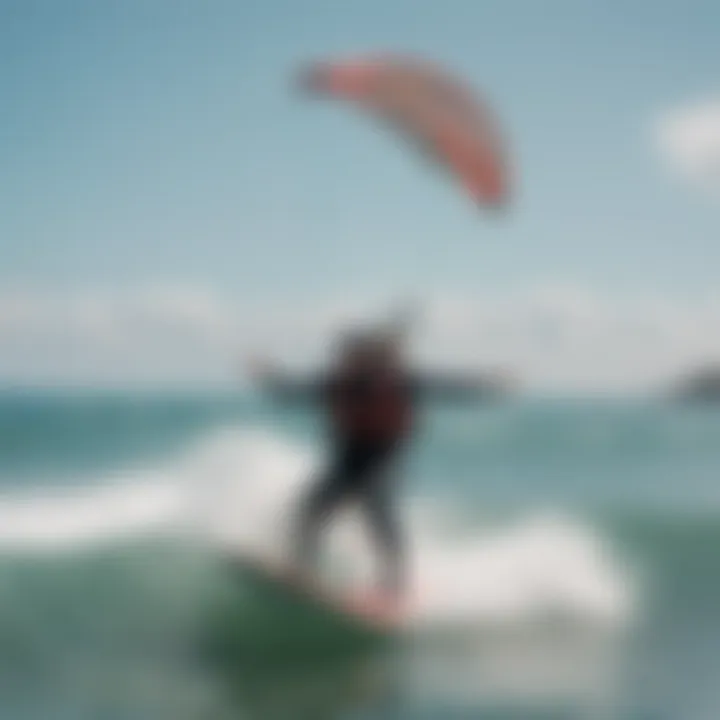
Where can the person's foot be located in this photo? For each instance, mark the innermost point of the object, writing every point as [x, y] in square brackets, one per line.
[379, 605]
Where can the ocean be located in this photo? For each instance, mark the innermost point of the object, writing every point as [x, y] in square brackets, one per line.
[565, 563]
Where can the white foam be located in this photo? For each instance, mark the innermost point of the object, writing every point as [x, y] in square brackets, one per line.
[543, 565]
[242, 485]
[236, 489]
[71, 519]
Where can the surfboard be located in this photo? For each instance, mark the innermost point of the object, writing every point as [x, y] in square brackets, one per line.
[364, 610]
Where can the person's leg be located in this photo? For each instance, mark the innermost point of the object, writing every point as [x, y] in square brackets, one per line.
[316, 508]
[378, 501]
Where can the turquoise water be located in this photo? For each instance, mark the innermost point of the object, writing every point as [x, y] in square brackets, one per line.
[565, 557]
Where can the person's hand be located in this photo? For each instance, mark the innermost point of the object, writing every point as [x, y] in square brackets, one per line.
[258, 368]
[503, 380]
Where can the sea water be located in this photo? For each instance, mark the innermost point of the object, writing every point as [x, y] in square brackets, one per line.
[564, 562]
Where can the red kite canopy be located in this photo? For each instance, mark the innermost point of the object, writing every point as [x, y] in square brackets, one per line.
[443, 118]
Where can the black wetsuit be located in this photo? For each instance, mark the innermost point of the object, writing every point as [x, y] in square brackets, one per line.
[371, 419]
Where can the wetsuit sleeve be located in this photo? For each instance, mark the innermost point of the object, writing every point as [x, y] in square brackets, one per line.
[455, 388]
[286, 388]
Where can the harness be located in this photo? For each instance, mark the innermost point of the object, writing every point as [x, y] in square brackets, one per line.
[377, 408]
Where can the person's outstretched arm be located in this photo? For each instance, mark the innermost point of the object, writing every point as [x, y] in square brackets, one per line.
[461, 387]
[283, 386]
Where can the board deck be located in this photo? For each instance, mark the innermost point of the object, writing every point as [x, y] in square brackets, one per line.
[366, 611]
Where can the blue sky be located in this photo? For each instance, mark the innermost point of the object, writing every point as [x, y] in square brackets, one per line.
[145, 142]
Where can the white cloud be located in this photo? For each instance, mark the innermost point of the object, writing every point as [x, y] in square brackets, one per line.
[554, 337]
[689, 138]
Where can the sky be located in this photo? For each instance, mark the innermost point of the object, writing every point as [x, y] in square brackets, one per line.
[166, 198]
